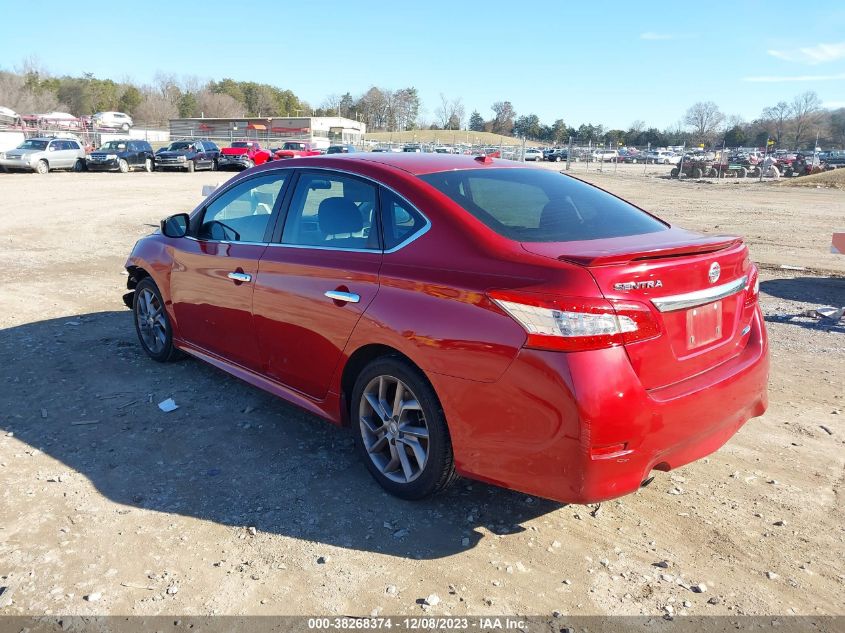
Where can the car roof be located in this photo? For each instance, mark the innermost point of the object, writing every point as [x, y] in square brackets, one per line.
[416, 164]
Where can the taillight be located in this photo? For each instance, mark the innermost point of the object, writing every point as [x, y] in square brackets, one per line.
[572, 324]
[752, 289]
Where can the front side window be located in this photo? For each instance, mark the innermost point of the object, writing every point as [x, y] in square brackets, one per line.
[531, 205]
[242, 214]
[332, 211]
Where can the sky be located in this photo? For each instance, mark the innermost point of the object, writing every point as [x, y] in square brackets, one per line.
[594, 62]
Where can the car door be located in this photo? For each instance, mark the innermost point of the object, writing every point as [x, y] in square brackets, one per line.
[214, 269]
[132, 154]
[199, 155]
[317, 278]
[56, 155]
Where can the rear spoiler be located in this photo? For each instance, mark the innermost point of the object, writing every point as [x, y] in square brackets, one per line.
[663, 251]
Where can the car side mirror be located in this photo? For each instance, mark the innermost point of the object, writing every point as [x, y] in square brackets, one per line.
[175, 225]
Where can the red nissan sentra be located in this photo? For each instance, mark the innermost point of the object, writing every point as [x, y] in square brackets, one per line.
[464, 316]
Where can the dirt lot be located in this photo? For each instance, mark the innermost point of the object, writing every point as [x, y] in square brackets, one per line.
[147, 512]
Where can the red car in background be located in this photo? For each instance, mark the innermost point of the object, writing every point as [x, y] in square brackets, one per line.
[243, 155]
[297, 149]
[464, 316]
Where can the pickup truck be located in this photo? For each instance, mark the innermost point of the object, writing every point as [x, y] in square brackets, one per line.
[243, 155]
[297, 149]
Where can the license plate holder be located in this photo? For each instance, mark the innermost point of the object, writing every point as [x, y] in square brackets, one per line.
[704, 324]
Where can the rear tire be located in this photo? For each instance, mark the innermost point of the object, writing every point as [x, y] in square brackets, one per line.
[152, 324]
[148, 165]
[742, 173]
[696, 173]
[675, 172]
[400, 430]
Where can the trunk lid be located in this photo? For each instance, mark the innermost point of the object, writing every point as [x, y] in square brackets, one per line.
[234, 151]
[703, 316]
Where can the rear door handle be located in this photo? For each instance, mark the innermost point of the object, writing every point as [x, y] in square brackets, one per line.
[346, 297]
[241, 277]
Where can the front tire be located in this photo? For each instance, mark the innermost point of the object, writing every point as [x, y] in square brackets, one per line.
[123, 166]
[400, 429]
[148, 165]
[152, 323]
[191, 167]
[42, 167]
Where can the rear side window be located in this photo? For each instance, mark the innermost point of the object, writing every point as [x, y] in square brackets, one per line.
[531, 205]
[332, 211]
[400, 221]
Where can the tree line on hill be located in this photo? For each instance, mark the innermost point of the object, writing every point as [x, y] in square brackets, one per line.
[794, 124]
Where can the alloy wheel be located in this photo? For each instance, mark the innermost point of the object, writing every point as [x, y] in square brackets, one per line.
[394, 429]
[149, 314]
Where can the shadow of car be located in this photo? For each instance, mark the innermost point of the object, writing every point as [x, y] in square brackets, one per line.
[230, 453]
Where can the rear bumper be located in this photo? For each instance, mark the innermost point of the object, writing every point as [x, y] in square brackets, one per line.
[580, 428]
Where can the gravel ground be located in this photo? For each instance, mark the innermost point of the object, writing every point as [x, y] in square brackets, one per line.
[237, 503]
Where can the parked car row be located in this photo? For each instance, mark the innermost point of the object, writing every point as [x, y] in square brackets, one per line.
[49, 153]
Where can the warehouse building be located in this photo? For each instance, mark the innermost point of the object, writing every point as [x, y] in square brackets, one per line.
[322, 131]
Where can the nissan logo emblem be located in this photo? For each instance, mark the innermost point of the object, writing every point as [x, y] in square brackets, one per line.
[715, 271]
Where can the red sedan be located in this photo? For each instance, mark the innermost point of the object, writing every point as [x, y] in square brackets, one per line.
[464, 316]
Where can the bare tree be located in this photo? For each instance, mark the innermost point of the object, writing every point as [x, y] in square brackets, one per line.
[704, 118]
[155, 108]
[15, 94]
[778, 115]
[450, 113]
[373, 107]
[806, 113]
[332, 104]
[167, 86]
[213, 104]
[504, 115]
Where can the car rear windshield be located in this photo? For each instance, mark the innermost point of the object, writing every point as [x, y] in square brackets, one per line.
[241, 144]
[533, 205]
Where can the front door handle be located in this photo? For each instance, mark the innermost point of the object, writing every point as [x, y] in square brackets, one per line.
[345, 297]
[240, 277]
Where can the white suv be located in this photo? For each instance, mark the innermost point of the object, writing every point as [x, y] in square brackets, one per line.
[115, 120]
[605, 155]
